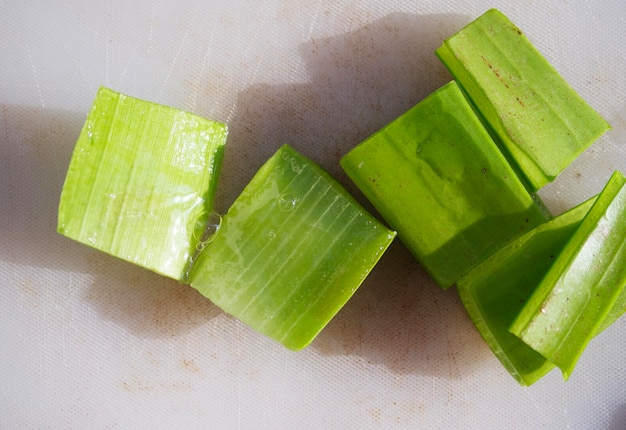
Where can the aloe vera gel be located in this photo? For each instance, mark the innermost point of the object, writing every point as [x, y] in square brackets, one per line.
[440, 181]
[291, 251]
[496, 291]
[141, 182]
[455, 176]
[575, 298]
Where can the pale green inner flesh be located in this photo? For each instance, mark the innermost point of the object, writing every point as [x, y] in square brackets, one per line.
[496, 291]
[141, 182]
[541, 121]
[440, 181]
[290, 252]
[576, 297]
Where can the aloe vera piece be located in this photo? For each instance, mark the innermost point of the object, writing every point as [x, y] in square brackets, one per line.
[496, 291]
[440, 181]
[141, 182]
[583, 285]
[542, 123]
[290, 252]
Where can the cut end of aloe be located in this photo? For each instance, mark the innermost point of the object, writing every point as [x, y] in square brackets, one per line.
[440, 181]
[541, 122]
[576, 298]
[141, 182]
[290, 252]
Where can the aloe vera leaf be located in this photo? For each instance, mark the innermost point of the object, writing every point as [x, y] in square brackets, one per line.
[617, 311]
[290, 252]
[141, 182]
[542, 122]
[582, 286]
[435, 175]
[495, 292]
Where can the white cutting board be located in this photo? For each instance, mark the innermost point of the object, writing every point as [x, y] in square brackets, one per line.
[88, 341]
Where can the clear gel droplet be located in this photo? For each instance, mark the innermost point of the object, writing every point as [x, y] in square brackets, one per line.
[212, 226]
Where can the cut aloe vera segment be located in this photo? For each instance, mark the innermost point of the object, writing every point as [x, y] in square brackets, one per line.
[583, 285]
[440, 181]
[495, 292]
[290, 252]
[540, 120]
[141, 182]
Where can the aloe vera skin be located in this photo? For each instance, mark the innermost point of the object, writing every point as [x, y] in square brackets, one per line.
[541, 122]
[582, 287]
[495, 292]
[290, 252]
[141, 182]
[435, 175]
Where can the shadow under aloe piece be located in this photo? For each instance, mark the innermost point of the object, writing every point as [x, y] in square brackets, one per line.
[440, 181]
[290, 252]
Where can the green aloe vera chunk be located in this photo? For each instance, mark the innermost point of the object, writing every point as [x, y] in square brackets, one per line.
[290, 252]
[141, 182]
[583, 286]
[496, 291]
[440, 181]
[540, 120]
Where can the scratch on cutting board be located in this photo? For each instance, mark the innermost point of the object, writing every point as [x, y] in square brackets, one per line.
[178, 51]
[453, 367]
[314, 19]
[155, 6]
[74, 59]
[200, 76]
[35, 76]
[106, 64]
[260, 26]
[148, 48]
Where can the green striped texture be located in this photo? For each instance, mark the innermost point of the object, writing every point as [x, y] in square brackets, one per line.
[577, 296]
[542, 123]
[141, 182]
[290, 252]
[440, 181]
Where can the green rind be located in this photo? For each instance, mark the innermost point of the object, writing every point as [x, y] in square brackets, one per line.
[495, 292]
[439, 180]
[582, 287]
[541, 121]
[290, 252]
[141, 182]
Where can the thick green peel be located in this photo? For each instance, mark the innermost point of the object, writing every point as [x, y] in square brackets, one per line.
[577, 295]
[141, 182]
[440, 181]
[290, 252]
[542, 123]
[495, 292]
